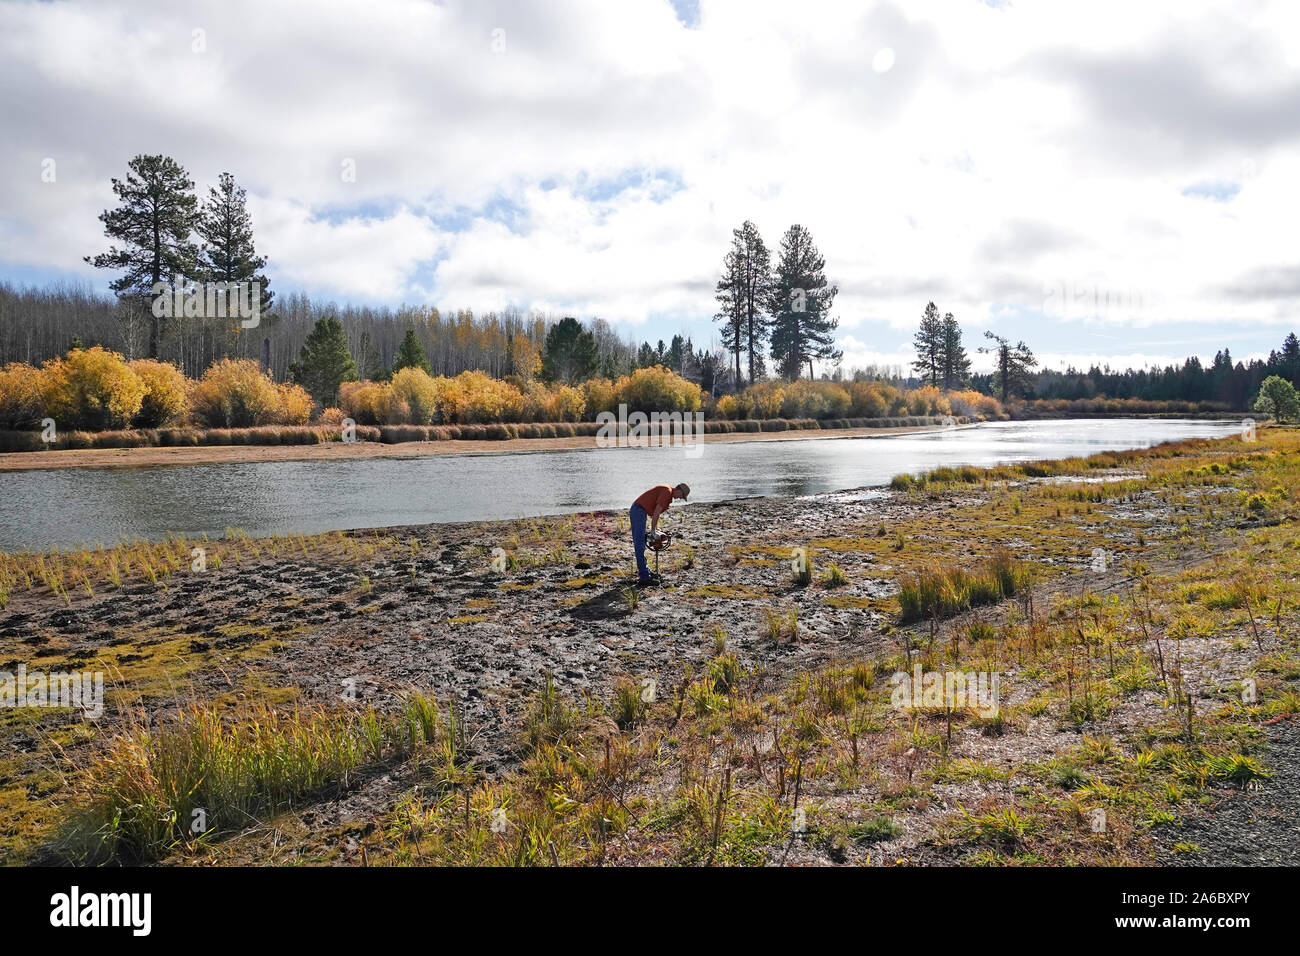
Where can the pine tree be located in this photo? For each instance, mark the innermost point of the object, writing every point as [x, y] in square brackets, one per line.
[158, 212]
[955, 365]
[410, 354]
[228, 253]
[929, 347]
[743, 293]
[712, 368]
[570, 353]
[1012, 368]
[324, 362]
[1289, 360]
[731, 312]
[677, 352]
[800, 302]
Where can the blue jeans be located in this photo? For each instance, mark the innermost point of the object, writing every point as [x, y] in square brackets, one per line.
[636, 514]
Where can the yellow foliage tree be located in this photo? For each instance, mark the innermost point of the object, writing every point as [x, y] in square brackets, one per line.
[657, 389]
[22, 390]
[235, 393]
[566, 404]
[600, 396]
[92, 389]
[166, 396]
[296, 405]
[364, 402]
[414, 397]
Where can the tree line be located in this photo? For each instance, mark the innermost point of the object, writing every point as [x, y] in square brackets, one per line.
[1228, 382]
[767, 310]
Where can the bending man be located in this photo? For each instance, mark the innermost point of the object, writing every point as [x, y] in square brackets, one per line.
[652, 504]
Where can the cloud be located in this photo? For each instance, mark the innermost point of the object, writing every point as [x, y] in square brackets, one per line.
[592, 158]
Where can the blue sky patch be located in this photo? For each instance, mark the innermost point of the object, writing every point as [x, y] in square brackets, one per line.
[1217, 192]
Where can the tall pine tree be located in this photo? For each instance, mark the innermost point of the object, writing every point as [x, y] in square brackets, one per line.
[157, 213]
[731, 311]
[744, 292]
[800, 302]
[929, 347]
[228, 253]
[954, 364]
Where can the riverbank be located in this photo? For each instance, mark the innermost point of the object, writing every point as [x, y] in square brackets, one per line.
[152, 456]
[737, 714]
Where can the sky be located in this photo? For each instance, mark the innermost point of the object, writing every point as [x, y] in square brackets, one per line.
[1112, 182]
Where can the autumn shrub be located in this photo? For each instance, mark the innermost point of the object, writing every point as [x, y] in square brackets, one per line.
[764, 400]
[21, 390]
[871, 399]
[804, 399]
[565, 404]
[413, 397]
[166, 396]
[296, 405]
[478, 397]
[731, 407]
[363, 402]
[91, 389]
[928, 400]
[536, 398]
[600, 396]
[975, 404]
[235, 393]
[656, 389]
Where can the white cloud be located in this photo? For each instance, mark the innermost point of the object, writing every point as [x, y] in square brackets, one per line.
[999, 161]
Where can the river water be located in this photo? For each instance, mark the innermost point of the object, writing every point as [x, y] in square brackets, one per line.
[47, 509]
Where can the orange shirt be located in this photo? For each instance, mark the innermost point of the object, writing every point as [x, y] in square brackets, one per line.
[656, 500]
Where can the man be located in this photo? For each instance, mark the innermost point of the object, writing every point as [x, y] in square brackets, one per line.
[652, 504]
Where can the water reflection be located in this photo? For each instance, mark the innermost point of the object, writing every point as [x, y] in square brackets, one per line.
[49, 509]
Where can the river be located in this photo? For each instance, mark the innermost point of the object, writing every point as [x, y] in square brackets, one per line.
[48, 509]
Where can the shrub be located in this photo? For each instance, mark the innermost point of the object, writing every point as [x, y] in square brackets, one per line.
[1277, 399]
[21, 391]
[928, 400]
[764, 400]
[566, 405]
[413, 397]
[729, 407]
[975, 404]
[600, 396]
[870, 399]
[657, 389]
[363, 402]
[235, 393]
[478, 397]
[166, 396]
[91, 389]
[295, 405]
[804, 399]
